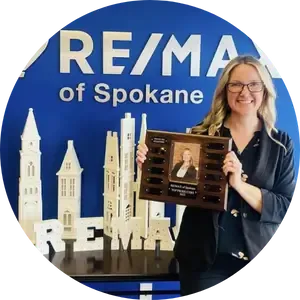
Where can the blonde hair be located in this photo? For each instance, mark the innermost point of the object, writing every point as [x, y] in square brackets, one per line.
[191, 161]
[220, 110]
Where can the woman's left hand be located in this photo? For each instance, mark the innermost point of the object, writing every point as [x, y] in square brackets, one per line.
[233, 167]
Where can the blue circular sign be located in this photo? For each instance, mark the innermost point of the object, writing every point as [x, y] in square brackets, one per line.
[159, 58]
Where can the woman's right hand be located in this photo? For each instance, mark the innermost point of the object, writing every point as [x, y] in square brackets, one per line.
[141, 153]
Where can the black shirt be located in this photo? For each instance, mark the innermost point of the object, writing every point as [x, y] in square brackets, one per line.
[231, 237]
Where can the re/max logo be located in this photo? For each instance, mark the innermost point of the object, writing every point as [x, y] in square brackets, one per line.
[191, 47]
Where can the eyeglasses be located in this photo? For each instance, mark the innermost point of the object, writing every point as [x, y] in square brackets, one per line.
[253, 87]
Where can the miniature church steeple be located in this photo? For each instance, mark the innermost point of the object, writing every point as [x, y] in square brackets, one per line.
[69, 191]
[30, 186]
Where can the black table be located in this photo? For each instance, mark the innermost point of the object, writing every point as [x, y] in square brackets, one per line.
[118, 266]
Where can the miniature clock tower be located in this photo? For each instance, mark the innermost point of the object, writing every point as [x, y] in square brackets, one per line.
[30, 187]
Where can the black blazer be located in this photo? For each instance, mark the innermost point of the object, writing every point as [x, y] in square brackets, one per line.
[196, 244]
[189, 175]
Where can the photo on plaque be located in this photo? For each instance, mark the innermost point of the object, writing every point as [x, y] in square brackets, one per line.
[184, 162]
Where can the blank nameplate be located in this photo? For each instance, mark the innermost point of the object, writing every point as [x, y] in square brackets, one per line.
[215, 146]
[158, 150]
[154, 180]
[215, 156]
[153, 191]
[215, 167]
[212, 199]
[156, 160]
[212, 188]
[155, 170]
[213, 177]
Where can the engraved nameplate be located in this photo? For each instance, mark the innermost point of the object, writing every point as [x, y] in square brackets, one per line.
[159, 140]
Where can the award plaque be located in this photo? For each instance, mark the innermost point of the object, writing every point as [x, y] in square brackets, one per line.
[185, 169]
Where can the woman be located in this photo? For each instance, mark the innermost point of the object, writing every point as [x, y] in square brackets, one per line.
[212, 246]
[184, 170]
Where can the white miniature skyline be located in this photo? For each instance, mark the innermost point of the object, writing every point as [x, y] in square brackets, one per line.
[120, 189]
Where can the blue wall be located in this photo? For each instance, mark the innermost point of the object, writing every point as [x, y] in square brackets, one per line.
[87, 121]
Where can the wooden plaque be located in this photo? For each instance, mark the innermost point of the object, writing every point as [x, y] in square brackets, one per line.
[185, 169]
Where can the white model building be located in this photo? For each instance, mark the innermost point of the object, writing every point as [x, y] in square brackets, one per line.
[121, 196]
[119, 183]
[111, 167]
[30, 185]
[120, 221]
[119, 174]
[69, 192]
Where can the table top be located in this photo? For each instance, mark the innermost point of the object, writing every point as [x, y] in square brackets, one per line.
[117, 265]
